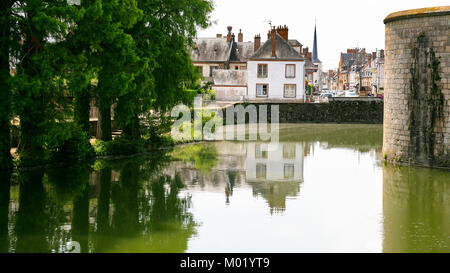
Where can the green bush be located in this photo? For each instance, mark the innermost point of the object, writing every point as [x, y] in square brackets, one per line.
[67, 142]
[119, 146]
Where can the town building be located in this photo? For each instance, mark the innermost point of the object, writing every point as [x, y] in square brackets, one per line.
[276, 71]
[238, 70]
[350, 68]
[209, 54]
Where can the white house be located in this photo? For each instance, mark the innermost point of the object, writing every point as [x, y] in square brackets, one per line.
[282, 163]
[276, 71]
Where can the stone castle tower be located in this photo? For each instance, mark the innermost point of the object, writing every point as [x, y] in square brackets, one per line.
[417, 89]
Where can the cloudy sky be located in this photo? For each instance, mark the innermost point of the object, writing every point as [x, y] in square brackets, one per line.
[341, 24]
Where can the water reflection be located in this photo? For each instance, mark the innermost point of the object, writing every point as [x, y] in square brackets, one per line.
[416, 207]
[322, 188]
[4, 210]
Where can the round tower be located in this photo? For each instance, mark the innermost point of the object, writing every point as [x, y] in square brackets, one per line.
[417, 93]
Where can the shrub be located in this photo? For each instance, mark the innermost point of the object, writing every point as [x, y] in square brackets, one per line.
[67, 142]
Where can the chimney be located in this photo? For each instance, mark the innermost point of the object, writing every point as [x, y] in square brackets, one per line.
[219, 35]
[257, 42]
[284, 32]
[382, 53]
[374, 55]
[229, 34]
[233, 37]
[309, 56]
[274, 43]
[269, 34]
[305, 51]
[240, 36]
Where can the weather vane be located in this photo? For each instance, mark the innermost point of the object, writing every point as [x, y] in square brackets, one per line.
[269, 22]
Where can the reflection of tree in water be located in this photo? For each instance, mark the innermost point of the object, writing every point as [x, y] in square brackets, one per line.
[276, 193]
[201, 156]
[68, 187]
[145, 216]
[32, 218]
[232, 179]
[168, 224]
[4, 210]
[416, 207]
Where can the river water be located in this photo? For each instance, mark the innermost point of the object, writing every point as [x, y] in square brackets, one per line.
[321, 188]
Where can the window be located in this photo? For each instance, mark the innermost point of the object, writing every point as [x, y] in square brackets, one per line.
[260, 153]
[289, 171]
[290, 90]
[262, 71]
[211, 69]
[289, 151]
[262, 90]
[261, 171]
[290, 71]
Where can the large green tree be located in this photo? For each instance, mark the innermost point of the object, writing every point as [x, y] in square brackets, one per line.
[106, 55]
[39, 92]
[162, 37]
[5, 87]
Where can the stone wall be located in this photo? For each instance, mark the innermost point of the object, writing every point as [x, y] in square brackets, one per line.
[417, 93]
[369, 111]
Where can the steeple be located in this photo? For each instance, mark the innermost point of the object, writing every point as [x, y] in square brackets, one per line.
[315, 58]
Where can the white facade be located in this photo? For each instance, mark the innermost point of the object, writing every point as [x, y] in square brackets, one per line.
[283, 163]
[276, 79]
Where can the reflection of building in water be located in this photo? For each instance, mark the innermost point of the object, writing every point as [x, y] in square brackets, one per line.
[416, 207]
[227, 173]
[276, 193]
[274, 162]
[275, 171]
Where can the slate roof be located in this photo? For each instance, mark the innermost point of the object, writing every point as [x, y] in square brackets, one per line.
[295, 43]
[242, 51]
[283, 50]
[347, 60]
[218, 50]
[309, 66]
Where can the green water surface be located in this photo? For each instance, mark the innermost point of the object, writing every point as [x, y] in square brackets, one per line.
[321, 188]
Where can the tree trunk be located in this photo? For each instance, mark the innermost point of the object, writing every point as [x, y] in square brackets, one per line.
[82, 110]
[32, 116]
[132, 129]
[104, 108]
[5, 89]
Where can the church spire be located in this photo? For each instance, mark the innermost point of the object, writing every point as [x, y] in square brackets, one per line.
[315, 58]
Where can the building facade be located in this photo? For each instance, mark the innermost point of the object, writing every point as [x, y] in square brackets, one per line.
[276, 71]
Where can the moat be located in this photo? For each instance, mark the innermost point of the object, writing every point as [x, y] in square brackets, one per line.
[322, 188]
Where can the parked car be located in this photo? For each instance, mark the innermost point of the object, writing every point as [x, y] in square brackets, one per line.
[340, 93]
[325, 97]
[350, 94]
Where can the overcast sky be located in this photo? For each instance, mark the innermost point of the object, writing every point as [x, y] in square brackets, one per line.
[341, 24]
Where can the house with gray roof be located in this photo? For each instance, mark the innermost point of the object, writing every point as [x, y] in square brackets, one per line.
[225, 53]
[276, 71]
